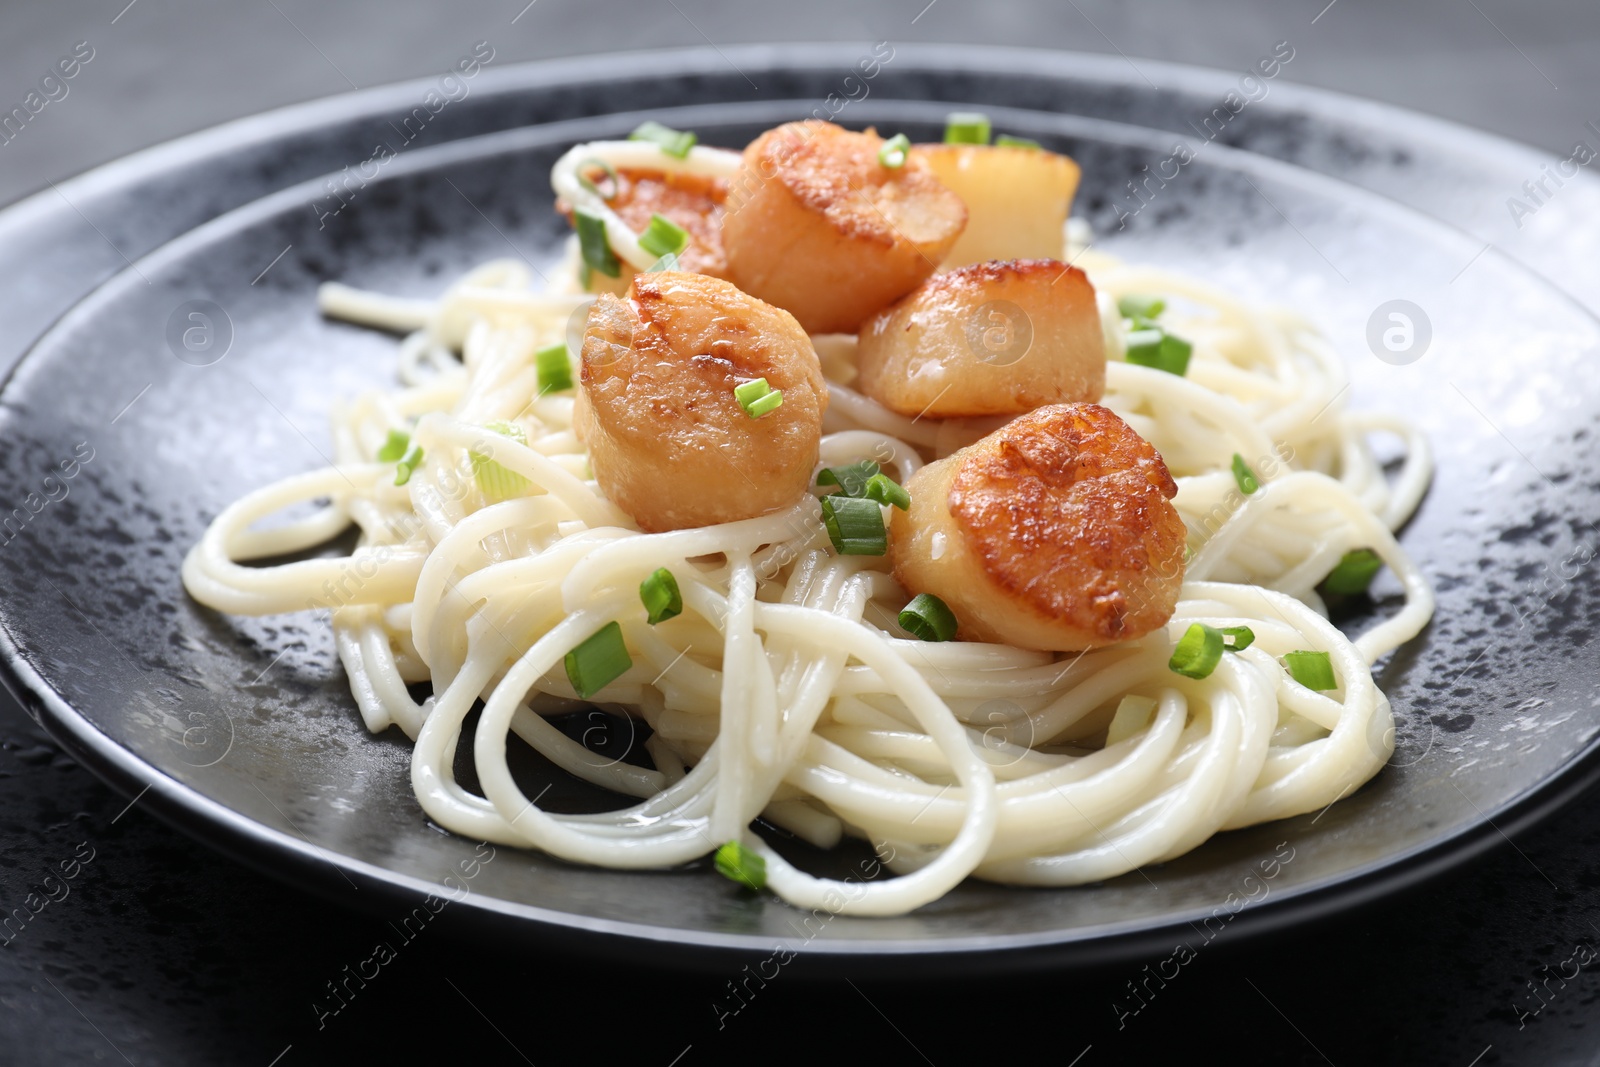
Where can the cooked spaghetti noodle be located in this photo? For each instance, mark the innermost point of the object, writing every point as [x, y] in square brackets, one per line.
[785, 691]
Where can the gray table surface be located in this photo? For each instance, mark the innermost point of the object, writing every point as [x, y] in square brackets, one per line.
[166, 953]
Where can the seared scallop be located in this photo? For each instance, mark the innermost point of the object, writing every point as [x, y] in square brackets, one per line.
[668, 440]
[817, 225]
[1055, 532]
[994, 338]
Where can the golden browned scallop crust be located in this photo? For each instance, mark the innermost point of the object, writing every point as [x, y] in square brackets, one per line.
[668, 440]
[1055, 532]
[995, 338]
[817, 225]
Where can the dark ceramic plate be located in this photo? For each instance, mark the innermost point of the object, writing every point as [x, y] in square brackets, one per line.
[242, 731]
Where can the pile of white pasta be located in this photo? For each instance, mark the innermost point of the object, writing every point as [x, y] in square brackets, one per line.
[785, 691]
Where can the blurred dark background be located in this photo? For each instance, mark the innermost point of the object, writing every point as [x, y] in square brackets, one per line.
[163, 68]
[168, 953]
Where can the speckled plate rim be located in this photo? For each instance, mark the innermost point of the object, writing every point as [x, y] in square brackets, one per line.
[266, 848]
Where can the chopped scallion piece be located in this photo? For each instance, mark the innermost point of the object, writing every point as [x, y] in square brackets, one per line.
[1314, 670]
[594, 186]
[1155, 347]
[927, 618]
[1246, 477]
[757, 397]
[1147, 337]
[966, 127]
[595, 246]
[885, 490]
[1353, 573]
[755, 389]
[1141, 307]
[1005, 140]
[663, 237]
[675, 143]
[598, 661]
[1238, 638]
[851, 480]
[660, 595]
[394, 447]
[497, 482]
[763, 404]
[1198, 652]
[855, 526]
[666, 262]
[408, 463]
[554, 369]
[892, 153]
[739, 864]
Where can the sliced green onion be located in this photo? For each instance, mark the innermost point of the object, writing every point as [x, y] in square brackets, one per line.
[598, 661]
[394, 447]
[1144, 338]
[762, 405]
[1314, 670]
[495, 480]
[747, 392]
[1155, 347]
[593, 186]
[1198, 652]
[892, 153]
[663, 237]
[1005, 140]
[739, 864]
[852, 479]
[966, 127]
[885, 490]
[855, 526]
[666, 262]
[757, 397]
[595, 246]
[660, 595]
[1248, 483]
[1141, 307]
[1238, 638]
[927, 618]
[675, 143]
[1133, 714]
[1353, 573]
[554, 369]
[410, 461]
